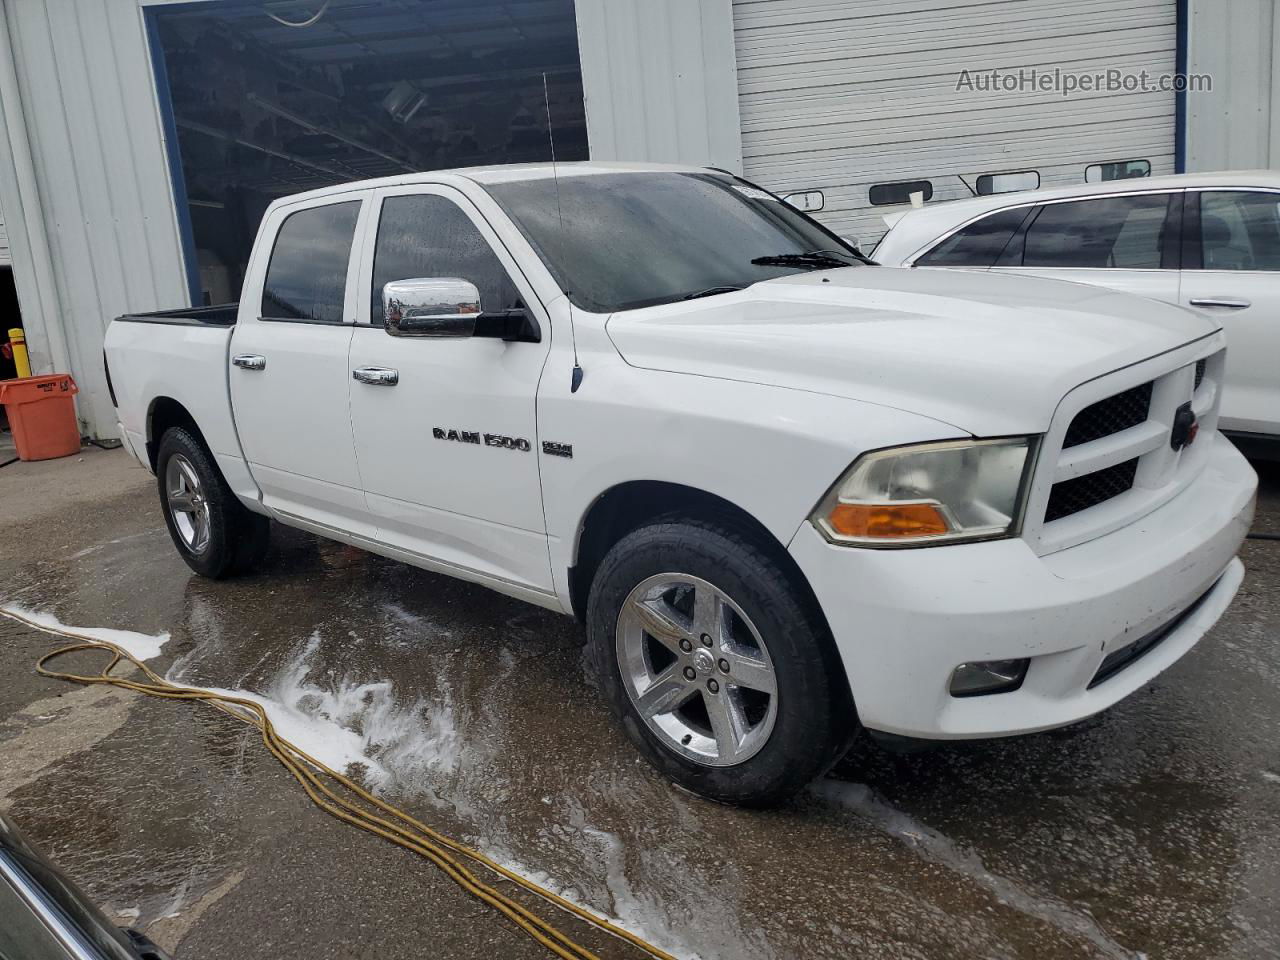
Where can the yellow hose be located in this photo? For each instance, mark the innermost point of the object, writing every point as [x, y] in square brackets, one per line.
[393, 824]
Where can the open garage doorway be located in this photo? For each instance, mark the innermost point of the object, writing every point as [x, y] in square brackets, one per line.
[265, 99]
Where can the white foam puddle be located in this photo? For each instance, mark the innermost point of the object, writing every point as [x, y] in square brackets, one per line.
[348, 723]
[140, 645]
[938, 848]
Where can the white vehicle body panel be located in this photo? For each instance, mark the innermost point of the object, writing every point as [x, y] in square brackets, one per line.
[761, 398]
[1251, 398]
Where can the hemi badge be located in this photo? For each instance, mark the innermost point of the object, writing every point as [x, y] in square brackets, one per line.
[553, 449]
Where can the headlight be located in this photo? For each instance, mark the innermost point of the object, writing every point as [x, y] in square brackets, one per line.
[929, 493]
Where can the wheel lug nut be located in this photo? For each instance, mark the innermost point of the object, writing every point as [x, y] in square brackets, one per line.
[706, 639]
[690, 673]
[686, 645]
[724, 665]
[713, 686]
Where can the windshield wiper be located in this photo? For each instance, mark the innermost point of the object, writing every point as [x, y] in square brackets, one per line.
[712, 291]
[817, 260]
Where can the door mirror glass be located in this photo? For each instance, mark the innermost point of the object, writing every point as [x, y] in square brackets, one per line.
[431, 307]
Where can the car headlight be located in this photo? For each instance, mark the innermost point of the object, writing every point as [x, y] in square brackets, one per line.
[929, 493]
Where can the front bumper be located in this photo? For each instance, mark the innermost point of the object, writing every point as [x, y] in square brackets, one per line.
[904, 619]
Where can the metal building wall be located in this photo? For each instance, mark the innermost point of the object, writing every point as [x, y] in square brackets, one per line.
[660, 81]
[838, 95]
[84, 183]
[1237, 125]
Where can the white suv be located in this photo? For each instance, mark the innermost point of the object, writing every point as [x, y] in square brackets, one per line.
[1207, 241]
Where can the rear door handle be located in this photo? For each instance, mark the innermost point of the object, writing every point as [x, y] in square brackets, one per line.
[376, 376]
[1229, 303]
[249, 361]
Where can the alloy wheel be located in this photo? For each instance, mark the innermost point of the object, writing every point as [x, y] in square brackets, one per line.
[697, 670]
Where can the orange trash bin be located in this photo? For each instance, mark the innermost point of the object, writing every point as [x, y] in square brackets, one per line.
[42, 416]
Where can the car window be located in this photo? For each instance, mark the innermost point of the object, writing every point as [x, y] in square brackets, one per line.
[426, 235]
[1240, 230]
[1123, 233]
[619, 241]
[307, 275]
[978, 244]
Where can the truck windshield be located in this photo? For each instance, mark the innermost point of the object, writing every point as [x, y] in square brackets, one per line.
[637, 239]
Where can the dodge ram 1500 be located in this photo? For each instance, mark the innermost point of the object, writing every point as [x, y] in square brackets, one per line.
[791, 495]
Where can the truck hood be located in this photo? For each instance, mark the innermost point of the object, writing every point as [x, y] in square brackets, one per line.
[988, 354]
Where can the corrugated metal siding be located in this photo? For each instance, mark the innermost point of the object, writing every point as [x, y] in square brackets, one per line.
[89, 104]
[659, 82]
[839, 96]
[1237, 125]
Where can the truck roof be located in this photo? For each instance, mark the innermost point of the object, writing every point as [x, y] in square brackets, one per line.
[497, 173]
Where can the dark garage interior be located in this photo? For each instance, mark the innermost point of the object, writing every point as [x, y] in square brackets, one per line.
[266, 100]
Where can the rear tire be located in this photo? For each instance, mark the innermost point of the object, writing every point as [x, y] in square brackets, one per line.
[752, 734]
[214, 533]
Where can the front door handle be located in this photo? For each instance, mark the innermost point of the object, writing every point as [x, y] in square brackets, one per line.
[376, 376]
[249, 361]
[1228, 302]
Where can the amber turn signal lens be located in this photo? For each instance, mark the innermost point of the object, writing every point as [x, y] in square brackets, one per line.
[887, 520]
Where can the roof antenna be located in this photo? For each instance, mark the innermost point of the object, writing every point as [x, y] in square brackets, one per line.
[576, 380]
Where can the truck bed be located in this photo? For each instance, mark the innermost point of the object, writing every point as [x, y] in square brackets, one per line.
[218, 315]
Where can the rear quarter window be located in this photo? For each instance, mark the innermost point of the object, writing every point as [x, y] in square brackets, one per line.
[979, 244]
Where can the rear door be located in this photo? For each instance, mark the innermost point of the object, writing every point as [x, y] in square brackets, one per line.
[447, 444]
[1128, 242]
[1231, 271]
[290, 381]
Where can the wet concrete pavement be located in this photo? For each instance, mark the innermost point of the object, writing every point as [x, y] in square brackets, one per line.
[1153, 829]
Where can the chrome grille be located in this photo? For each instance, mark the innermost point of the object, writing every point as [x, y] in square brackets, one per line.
[1102, 419]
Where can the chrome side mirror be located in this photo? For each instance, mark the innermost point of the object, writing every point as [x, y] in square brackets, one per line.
[431, 307]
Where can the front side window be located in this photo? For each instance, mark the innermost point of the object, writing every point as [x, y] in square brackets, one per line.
[307, 275]
[617, 241]
[1122, 233]
[1240, 230]
[426, 235]
[978, 244]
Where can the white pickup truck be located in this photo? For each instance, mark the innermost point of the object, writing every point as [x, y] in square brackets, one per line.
[792, 495]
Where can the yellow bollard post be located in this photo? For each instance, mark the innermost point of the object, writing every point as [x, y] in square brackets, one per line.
[18, 341]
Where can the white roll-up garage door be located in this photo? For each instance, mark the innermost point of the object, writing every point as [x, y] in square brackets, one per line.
[841, 96]
[5, 259]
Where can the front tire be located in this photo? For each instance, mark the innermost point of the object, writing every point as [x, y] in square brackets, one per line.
[214, 533]
[721, 670]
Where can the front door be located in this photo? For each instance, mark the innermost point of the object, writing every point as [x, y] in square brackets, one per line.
[446, 434]
[289, 377]
[1231, 271]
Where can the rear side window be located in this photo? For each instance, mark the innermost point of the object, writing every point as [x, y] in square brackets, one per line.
[430, 236]
[1240, 230]
[307, 275]
[1122, 233]
[978, 244]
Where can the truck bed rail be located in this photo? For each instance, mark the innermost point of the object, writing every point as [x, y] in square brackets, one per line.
[219, 315]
